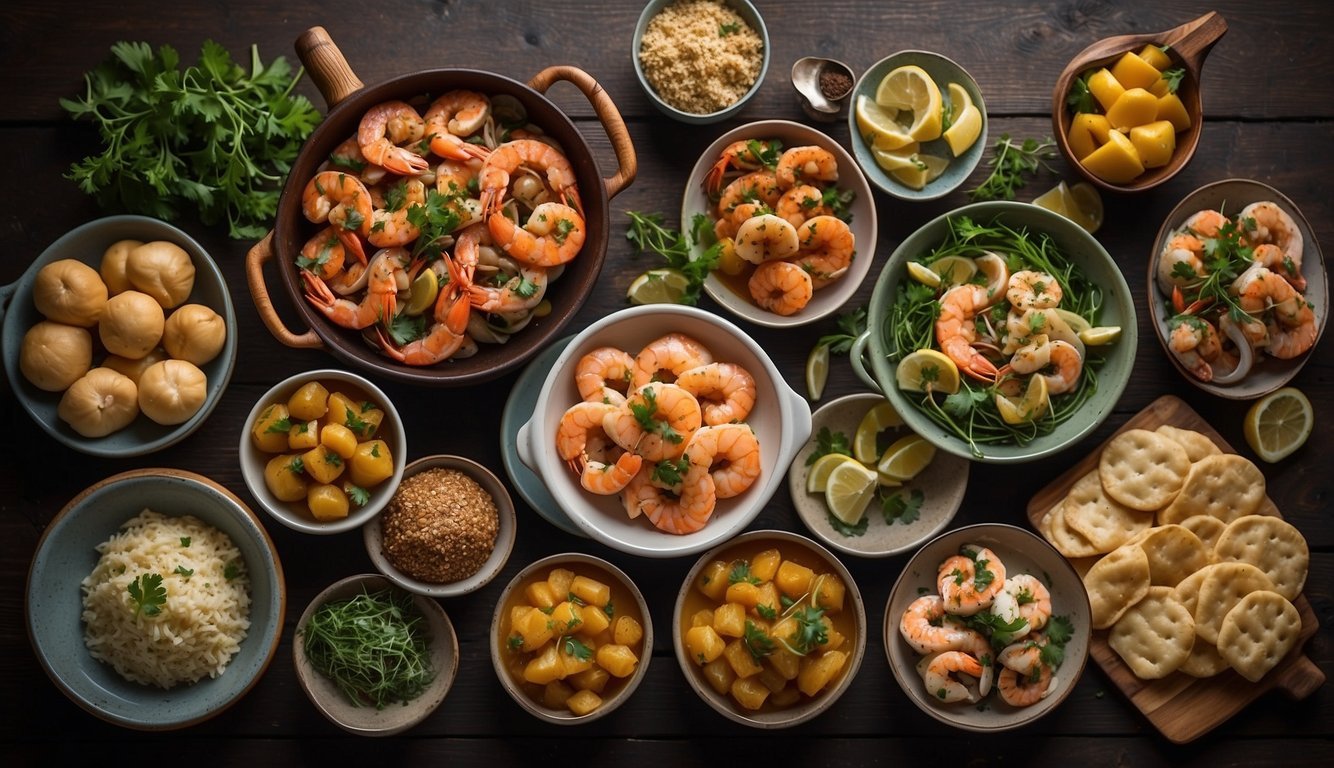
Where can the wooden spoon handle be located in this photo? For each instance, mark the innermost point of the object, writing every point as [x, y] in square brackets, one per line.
[608, 115]
[259, 292]
[1193, 40]
[328, 68]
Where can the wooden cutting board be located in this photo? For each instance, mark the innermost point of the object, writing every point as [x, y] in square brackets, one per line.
[1181, 707]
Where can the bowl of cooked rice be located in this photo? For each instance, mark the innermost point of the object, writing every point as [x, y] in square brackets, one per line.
[155, 599]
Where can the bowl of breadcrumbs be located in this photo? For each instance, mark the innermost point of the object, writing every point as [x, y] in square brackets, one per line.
[700, 61]
[447, 531]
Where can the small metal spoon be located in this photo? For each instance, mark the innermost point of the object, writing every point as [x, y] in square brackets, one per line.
[806, 73]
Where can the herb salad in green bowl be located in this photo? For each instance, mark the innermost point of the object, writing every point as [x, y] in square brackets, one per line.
[1001, 331]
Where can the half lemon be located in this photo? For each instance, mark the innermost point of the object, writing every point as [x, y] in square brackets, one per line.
[1278, 424]
[850, 490]
[911, 89]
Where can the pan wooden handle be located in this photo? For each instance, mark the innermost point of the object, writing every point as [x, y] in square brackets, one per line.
[1192, 40]
[328, 68]
[608, 115]
[259, 291]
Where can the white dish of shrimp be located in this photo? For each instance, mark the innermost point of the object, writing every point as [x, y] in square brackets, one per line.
[987, 628]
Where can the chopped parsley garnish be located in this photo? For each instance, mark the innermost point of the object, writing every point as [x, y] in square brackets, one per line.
[756, 641]
[147, 594]
[184, 572]
[741, 572]
[573, 646]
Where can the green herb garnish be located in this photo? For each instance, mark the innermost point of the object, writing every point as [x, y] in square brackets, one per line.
[574, 647]
[827, 442]
[901, 509]
[374, 647]
[851, 324]
[741, 572]
[148, 594]
[647, 233]
[758, 643]
[358, 495]
[845, 529]
[1010, 163]
[183, 572]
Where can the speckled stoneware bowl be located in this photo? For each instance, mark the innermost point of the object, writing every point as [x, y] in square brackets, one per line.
[373, 532]
[395, 718]
[87, 243]
[67, 553]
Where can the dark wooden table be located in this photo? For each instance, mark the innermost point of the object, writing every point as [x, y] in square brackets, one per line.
[1270, 111]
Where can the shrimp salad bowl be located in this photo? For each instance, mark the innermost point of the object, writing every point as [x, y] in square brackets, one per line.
[1002, 332]
[662, 430]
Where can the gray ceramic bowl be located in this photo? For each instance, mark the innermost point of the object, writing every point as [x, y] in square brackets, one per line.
[747, 11]
[870, 352]
[373, 534]
[501, 654]
[1021, 552]
[395, 718]
[294, 514]
[66, 554]
[87, 243]
[943, 71]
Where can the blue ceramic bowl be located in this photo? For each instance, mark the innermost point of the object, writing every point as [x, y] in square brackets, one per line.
[87, 243]
[66, 554]
[747, 11]
[943, 71]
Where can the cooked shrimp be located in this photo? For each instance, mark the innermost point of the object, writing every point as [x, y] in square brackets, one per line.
[457, 177]
[1195, 343]
[520, 292]
[1030, 289]
[447, 334]
[390, 226]
[802, 164]
[1033, 356]
[1205, 223]
[1289, 319]
[956, 331]
[1275, 260]
[666, 358]
[1067, 363]
[656, 421]
[732, 454]
[1023, 656]
[686, 512]
[576, 425]
[826, 249]
[725, 227]
[781, 287]
[460, 112]
[969, 582]
[579, 428]
[344, 202]
[609, 478]
[747, 154]
[941, 681]
[757, 187]
[1181, 263]
[379, 302]
[553, 235]
[802, 202]
[1266, 223]
[602, 368]
[766, 238]
[383, 128]
[347, 157]
[925, 628]
[507, 159]
[726, 391]
[1033, 597]
[323, 254]
[1020, 690]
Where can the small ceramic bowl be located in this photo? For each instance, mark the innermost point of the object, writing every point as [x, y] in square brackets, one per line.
[748, 13]
[940, 486]
[510, 661]
[295, 514]
[67, 553]
[364, 720]
[87, 243]
[850, 622]
[780, 419]
[942, 71]
[825, 301]
[373, 532]
[1231, 196]
[1021, 552]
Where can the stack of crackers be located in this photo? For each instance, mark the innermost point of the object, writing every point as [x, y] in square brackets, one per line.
[1187, 571]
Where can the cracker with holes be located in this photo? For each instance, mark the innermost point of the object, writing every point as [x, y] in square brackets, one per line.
[1143, 470]
[1207, 527]
[1066, 541]
[1271, 544]
[1220, 592]
[1258, 632]
[1197, 444]
[1188, 589]
[1225, 486]
[1173, 553]
[1115, 583]
[1204, 660]
[1155, 636]
[1105, 522]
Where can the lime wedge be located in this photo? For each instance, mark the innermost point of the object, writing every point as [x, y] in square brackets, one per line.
[817, 371]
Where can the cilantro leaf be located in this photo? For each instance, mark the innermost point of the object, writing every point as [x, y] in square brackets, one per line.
[1080, 98]
[844, 528]
[904, 510]
[766, 612]
[148, 594]
[756, 641]
[573, 646]
[827, 442]
[851, 324]
[741, 572]
[648, 233]
[356, 494]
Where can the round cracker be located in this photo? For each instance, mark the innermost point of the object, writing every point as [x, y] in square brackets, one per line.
[1225, 486]
[1103, 521]
[1143, 470]
[1207, 527]
[1155, 636]
[1271, 544]
[1174, 553]
[1224, 587]
[1115, 583]
[1188, 589]
[1066, 541]
[1258, 633]
[1204, 660]
[1197, 444]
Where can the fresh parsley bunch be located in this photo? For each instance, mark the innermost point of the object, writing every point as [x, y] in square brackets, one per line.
[213, 136]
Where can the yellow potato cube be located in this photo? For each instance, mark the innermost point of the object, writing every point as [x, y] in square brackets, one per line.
[749, 694]
[583, 702]
[702, 618]
[1116, 162]
[793, 579]
[1087, 133]
[284, 478]
[371, 464]
[575, 656]
[618, 660]
[545, 667]
[1105, 88]
[326, 502]
[712, 582]
[322, 464]
[1160, 87]
[719, 675]
[360, 416]
[309, 402]
[595, 621]
[817, 672]
[536, 630]
[729, 620]
[1131, 71]
[591, 591]
[829, 593]
[785, 698]
[592, 679]
[560, 579]
[784, 662]
[540, 595]
[765, 564]
[767, 599]
[518, 616]
[703, 644]
[555, 694]
[771, 680]
[1134, 107]
[739, 658]
[303, 435]
[1171, 109]
[567, 617]
[743, 592]
[1155, 56]
[269, 432]
[338, 439]
[1155, 143]
[626, 630]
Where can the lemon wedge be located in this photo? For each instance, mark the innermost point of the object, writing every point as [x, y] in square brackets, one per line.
[967, 124]
[906, 458]
[927, 370]
[954, 270]
[899, 158]
[880, 126]
[911, 89]
[924, 170]
[923, 274]
[1278, 424]
[878, 419]
[1030, 407]
[850, 489]
[1054, 199]
[818, 479]
[422, 293]
[658, 286]
[1103, 334]
[817, 370]
[1085, 206]
[1075, 320]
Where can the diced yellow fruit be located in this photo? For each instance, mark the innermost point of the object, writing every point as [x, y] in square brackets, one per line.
[1081, 140]
[712, 582]
[540, 595]
[829, 594]
[1131, 71]
[729, 619]
[743, 592]
[309, 402]
[326, 502]
[371, 464]
[627, 630]
[283, 480]
[1160, 88]
[555, 694]
[1171, 109]
[592, 679]
[1155, 56]
[583, 702]
[303, 436]
[1155, 143]
[591, 591]
[793, 579]
[545, 668]
[338, 439]
[764, 565]
[519, 617]
[1115, 162]
[702, 618]
[833, 638]
[322, 464]
[363, 418]
[536, 630]
[1105, 88]
[567, 617]
[571, 664]
[703, 644]
[268, 433]
[749, 693]
[770, 679]
[1135, 107]
[768, 598]
[559, 580]
[595, 621]
[719, 675]
[739, 659]
[817, 673]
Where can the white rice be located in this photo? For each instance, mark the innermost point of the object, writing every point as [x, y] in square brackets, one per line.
[205, 616]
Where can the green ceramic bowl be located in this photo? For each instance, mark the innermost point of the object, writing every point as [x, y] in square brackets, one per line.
[870, 352]
[943, 71]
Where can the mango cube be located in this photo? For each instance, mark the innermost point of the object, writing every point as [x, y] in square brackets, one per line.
[592, 679]
[1134, 107]
[535, 629]
[743, 592]
[1087, 132]
[1155, 143]
[816, 673]
[749, 694]
[1131, 71]
[555, 694]
[618, 660]
[793, 579]
[545, 668]
[303, 435]
[583, 702]
[567, 617]
[739, 659]
[371, 464]
[1156, 57]
[1105, 88]
[595, 621]
[712, 581]
[1115, 162]
[560, 579]
[765, 564]
[626, 630]
[829, 593]
[719, 675]
[540, 595]
[269, 432]
[338, 439]
[729, 620]
[1171, 109]
[591, 591]
[702, 618]
[309, 402]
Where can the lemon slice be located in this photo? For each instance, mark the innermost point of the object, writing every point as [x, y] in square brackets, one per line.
[422, 293]
[1031, 407]
[1054, 199]
[818, 479]
[817, 371]
[967, 125]
[1085, 206]
[851, 488]
[927, 370]
[876, 420]
[924, 170]
[923, 274]
[954, 270]
[906, 458]
[897, 159]
[1103, 334]
[1075, 320]
[658, 286]
[1278, 424]
[911, 89]
[880, 126]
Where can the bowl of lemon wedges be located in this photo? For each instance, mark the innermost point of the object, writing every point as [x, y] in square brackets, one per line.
[919, 125]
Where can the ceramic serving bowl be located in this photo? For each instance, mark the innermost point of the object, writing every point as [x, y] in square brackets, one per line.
[942, 71]
[362, 719]
[845, 631]
[870, 354]
[1021, 552]
[296, 514]
[731, 293]
[1230, 196]
[743, 8]
[87, 243]
[67, 553]
[517, 667]
[780, 419]
[1186, 46]
[373, 532]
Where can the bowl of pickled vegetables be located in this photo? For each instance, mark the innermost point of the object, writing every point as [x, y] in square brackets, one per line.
[1001, 332]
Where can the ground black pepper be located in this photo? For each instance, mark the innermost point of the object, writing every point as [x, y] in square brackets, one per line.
[834, 84]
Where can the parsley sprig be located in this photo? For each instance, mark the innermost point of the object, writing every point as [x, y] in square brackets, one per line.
[1010, 163]
[644, 411]
[648, 233]
[147, 594]
[851, 324]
